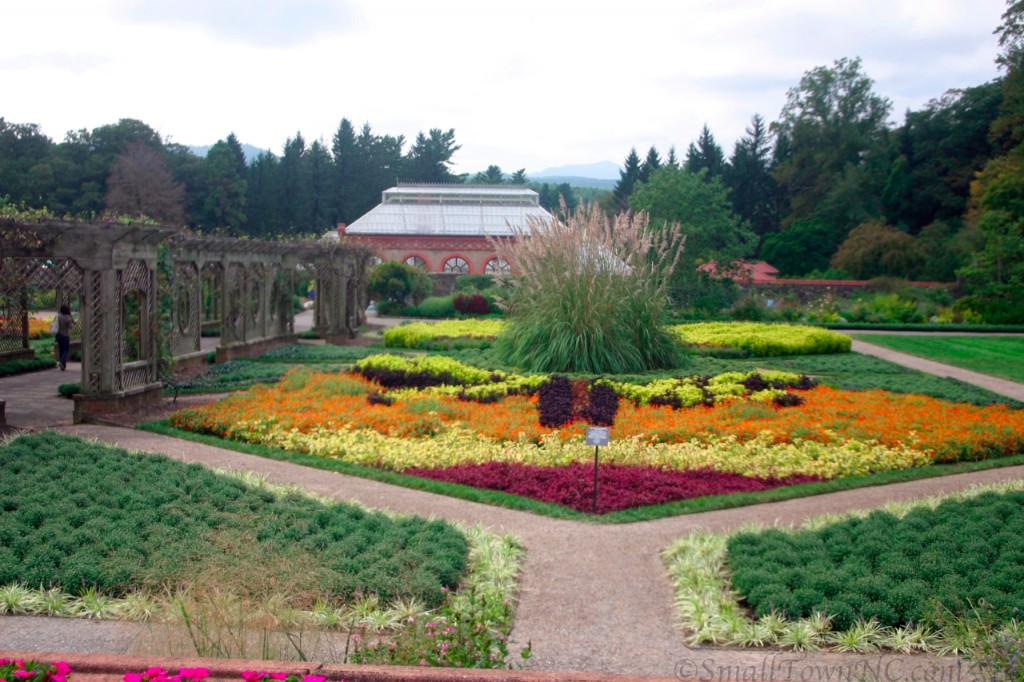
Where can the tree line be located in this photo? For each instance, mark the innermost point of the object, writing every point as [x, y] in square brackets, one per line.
[832, 189]
[127, 168]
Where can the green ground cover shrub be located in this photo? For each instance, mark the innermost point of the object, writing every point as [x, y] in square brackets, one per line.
[858, 372]
[12, 367]
[887, 568]
[929, 537]
[238, 374]
[306, 352]
[83, 516]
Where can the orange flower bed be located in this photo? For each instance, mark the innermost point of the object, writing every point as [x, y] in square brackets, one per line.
[951, 431]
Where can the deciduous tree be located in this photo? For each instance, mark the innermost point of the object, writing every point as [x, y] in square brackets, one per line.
[140, 184]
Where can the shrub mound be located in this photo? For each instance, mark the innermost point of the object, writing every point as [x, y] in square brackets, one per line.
[79, 515]
[888, 568]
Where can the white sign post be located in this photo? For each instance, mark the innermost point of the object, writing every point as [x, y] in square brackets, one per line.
[597, 436]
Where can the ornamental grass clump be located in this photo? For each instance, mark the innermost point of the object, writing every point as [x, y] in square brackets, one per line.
[590, 294]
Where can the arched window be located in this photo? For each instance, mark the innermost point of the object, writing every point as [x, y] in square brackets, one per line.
[456, 265]
[497, 266]
[416, 262]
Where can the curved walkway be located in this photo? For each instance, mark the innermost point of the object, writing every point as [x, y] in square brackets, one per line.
[594, 598]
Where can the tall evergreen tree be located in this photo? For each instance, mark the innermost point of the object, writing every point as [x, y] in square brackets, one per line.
[492, 176]
[430, 157]
[320, 169]
[226, 191]
[752, 190]
[344, 151]
[265, 196]
[628, 177]
[706, 155]
[652, 162]
[672, 160]
[296, 188]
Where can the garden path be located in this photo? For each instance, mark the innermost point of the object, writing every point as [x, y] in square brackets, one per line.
[1010, 389]
[594, 598]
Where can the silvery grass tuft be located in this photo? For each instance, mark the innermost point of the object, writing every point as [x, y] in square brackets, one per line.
[589, 293]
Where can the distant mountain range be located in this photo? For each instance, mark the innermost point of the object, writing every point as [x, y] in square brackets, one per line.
[600, 175]
[250, 152]
[602, 170]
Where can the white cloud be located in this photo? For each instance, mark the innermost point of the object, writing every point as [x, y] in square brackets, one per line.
[528, 84]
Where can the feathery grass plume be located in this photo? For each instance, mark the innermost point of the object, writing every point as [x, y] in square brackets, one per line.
[590, 293]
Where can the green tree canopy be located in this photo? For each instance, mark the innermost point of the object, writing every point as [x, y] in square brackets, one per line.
[834, 133]
[702, 208]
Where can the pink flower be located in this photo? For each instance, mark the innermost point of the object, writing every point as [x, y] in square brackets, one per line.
[313, 678]
[24, 674]
[253, 676]
[62, 668]
[133, 677]
[193, 674]
[279, 676]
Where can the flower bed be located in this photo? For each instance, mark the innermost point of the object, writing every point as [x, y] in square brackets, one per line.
[767, 427]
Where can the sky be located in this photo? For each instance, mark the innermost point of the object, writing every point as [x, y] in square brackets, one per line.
[528, 84]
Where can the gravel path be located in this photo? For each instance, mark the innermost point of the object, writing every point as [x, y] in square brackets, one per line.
[594, 597]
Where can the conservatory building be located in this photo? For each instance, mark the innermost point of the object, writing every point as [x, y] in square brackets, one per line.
[447, 228]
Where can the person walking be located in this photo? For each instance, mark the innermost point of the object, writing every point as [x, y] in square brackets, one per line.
[64, 323]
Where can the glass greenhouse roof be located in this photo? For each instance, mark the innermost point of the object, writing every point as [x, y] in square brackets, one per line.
[451, 210]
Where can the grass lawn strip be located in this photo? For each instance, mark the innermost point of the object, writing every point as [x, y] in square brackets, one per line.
[1001, 356]
[493, 561]
[711, 612]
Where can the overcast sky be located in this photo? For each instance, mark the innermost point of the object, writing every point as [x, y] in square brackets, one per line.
[525, 83]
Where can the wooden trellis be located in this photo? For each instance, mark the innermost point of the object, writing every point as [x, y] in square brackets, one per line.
[111, 272]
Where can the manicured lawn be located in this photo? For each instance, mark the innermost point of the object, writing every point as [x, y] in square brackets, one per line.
[1001, 356]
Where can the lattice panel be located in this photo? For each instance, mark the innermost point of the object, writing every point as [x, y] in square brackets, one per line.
[211, 294]
[136, 376]
[186, 309]
[137, 277]
[93, 337]
[256, 278]
[235, 292]
[12, 331]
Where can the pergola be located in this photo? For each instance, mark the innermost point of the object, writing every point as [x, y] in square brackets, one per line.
[113, 271]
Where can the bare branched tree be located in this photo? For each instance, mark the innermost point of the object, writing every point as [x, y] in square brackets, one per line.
[140, 184]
